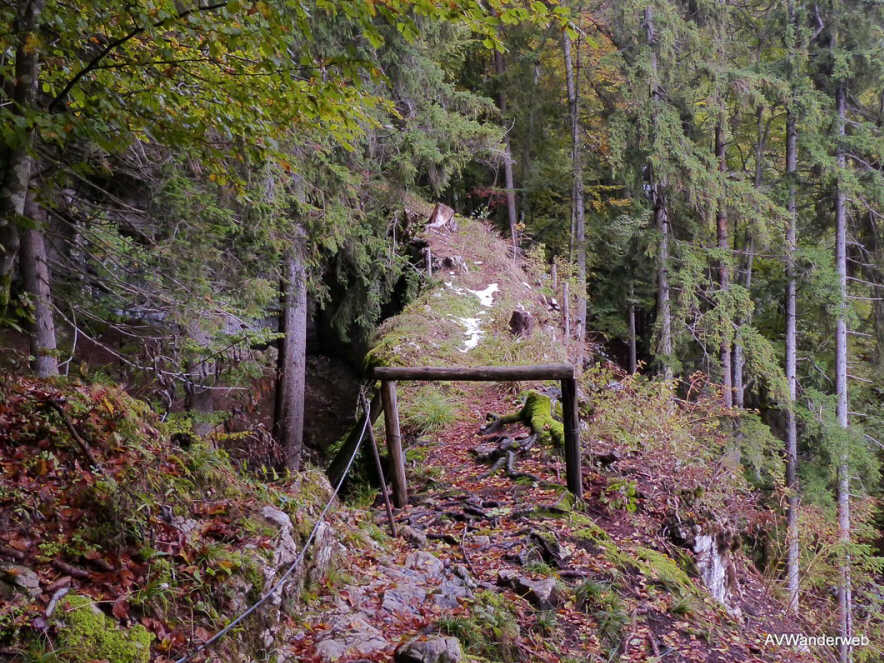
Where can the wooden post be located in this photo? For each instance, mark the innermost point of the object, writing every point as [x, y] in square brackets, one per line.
[429, 259]
[573, 460]
[566, 310]
[474, 373]
[554, 274]
[581, 347]
[377, 462]
[394, 443]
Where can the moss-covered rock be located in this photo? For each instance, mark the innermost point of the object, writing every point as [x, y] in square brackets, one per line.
[90, 635]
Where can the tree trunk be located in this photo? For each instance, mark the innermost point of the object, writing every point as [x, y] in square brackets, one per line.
[844, 592]
[876, 278]
[291, 364]
[792, 363]
[17, 175]
[631, 314]
[199, 396]
[739, 358]
[664, 313]
[661, 222]
[500, 69]
[577, 172]
[35, 279]
[724, 274]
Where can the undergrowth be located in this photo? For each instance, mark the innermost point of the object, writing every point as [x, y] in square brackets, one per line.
[165, 536]
[491, 630]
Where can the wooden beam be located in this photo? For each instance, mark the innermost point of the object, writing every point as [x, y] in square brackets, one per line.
[394, 443]
[571, 420]
[477, 373]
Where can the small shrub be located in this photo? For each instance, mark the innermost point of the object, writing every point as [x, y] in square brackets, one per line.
[682, 606]
[539, 568]
[545, 623]
[491, 631]
[590, 593]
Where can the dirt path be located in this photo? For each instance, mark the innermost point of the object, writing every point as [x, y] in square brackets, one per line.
[464, 532]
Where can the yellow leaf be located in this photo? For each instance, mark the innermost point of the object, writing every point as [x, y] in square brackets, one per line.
[32, 42]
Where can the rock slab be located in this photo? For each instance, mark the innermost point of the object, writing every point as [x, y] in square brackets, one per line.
[431, 650]
[541, 593]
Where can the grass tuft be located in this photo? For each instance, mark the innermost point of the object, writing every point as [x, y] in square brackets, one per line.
[429, 411]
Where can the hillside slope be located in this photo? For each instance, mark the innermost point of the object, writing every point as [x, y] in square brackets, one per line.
[125, 541]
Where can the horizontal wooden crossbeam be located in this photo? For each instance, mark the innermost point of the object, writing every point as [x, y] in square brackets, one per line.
[388, 375]
[476, 373]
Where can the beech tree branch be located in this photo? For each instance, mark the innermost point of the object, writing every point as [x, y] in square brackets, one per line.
[93, 64]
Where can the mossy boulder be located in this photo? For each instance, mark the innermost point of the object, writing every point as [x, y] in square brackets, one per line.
[89, 635]
[665, 569]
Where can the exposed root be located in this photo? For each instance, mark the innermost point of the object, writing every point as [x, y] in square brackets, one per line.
[504, 456]
[496, 422]
[84, 446]
[537, 414]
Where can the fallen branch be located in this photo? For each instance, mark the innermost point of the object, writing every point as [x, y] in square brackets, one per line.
[75, 571]
[463, 550]
[572, 573]
[55, 585]
[59, 594]
[17, 555]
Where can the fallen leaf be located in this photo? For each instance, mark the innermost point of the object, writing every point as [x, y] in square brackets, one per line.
[121, 608]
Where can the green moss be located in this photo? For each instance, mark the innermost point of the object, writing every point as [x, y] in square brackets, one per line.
[588, 531]
[417, 455]
[91, 635]
[665, 569]
[537, 414]
[652, 564]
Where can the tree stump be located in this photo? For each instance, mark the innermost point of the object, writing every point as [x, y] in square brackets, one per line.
[522, 323]
[442, 216]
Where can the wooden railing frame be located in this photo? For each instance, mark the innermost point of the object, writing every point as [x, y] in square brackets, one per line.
[389, 375]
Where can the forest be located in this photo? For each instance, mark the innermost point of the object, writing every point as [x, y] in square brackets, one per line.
[219, 219]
